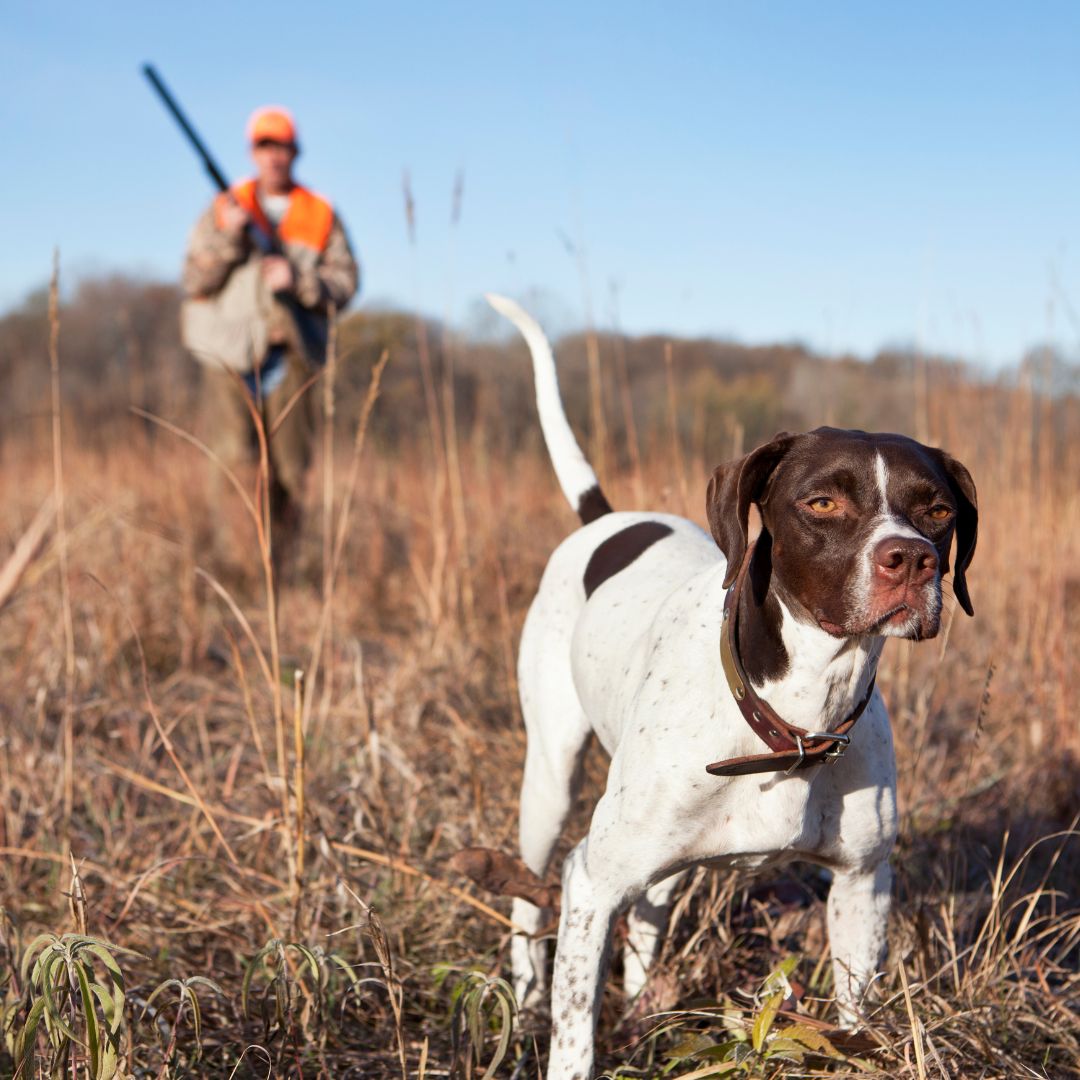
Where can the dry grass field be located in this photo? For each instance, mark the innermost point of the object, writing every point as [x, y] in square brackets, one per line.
[245, 872]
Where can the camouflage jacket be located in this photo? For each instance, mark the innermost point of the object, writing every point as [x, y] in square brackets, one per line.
[321, 277]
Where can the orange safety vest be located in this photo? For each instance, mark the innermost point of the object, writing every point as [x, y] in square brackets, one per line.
[307, 221]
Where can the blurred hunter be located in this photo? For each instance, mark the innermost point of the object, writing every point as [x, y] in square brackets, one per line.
[263, 265]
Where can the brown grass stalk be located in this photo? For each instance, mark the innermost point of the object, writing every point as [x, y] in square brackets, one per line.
[68, 623]
[916, 1026]
[673, 423]
[328, 458]
[401, 867]
[264, 539]
[298, 794]
[344, 517]
[457, 488]
[249, 710]
[633, 448]
[433, 582]
[26, 548]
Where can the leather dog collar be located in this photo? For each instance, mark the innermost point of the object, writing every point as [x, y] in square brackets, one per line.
[792, 748]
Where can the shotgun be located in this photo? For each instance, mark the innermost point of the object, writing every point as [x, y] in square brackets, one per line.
[313, 330]
[268, 244]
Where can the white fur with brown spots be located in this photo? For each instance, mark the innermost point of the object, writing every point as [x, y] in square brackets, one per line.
[856, 534]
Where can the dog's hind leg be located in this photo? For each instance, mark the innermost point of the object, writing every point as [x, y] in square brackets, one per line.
[558, 734]
[547, 793]
[646, 925]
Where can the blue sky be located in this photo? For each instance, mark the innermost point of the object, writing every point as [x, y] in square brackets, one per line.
[849, 175]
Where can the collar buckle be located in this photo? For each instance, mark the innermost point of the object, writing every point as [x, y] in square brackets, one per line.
[840, 743]
[800, 759]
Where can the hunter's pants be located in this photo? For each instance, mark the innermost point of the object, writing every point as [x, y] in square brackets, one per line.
[229, 431]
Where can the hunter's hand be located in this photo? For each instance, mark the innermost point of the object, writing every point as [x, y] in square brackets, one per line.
[277, 273]
[234, 220]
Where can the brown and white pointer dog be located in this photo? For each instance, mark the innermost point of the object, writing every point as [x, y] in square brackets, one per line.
[677, 648]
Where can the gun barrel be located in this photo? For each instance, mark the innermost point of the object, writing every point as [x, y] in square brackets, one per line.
[212, 169]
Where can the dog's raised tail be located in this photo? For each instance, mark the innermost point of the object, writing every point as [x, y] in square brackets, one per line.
[575, 474]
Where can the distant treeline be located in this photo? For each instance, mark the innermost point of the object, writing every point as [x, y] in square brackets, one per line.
[120, 347]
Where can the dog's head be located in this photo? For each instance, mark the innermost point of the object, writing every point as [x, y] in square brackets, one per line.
[859, 527]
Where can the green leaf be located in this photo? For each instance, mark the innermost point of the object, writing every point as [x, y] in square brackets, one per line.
[54, 1020]
[114, 1018]
[504, 1038]
[690, 1045]
[110, 1061]
[777, 979]
[345, 966]
[312, 962]
[103, 953]
[711, 1070]
[160, 989]
[472, 1016]
[196, 1018]
[93, 1039]
[24, 1045]
[725, 1051]
[249, 974]
[31, 949]
[788, 1049]
[42, 974]
[811, 1038]
[764, 1020]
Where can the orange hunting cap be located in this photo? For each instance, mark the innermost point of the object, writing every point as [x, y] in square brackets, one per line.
[272, 123]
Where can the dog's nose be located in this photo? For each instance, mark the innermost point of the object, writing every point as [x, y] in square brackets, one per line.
[905, 559]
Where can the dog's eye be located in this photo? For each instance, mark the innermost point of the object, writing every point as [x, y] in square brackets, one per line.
[823, 505]
[940, 512]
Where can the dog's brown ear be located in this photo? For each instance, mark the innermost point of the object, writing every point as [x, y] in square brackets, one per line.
[733, 487]
[967, 526]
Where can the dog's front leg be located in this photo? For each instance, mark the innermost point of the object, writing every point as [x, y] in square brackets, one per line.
[858, 921]
[589, 907]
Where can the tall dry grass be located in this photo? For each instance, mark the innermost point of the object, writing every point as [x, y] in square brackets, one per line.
[286, 836]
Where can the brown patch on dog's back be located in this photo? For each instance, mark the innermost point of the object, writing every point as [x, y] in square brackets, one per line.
[619, 551]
